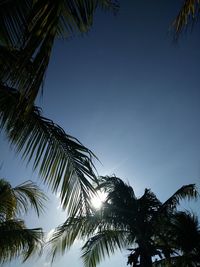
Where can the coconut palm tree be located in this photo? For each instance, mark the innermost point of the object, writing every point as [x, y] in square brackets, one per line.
[16, 240]
[124, 221]
[28, 30]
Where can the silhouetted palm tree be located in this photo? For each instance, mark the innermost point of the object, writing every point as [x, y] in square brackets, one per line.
[123, 221]
[15, 238]
[28, 30]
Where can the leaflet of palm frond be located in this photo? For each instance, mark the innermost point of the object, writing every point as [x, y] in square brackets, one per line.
[44, 21]
[16, 240]
[102, 244]
[187, 16]
[63, 162]
[185, 192]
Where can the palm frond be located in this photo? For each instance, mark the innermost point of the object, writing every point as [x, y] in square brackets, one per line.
[13, 73]
[103, 244]
[72, 229]
[32, 27]
[83, 227]
[13, 18]
[185, 192]
[16, 240]
[8, 203]
[19, 199]
[63, 162]
[29, 194]
[186, 229]
[113, 184]
[187, 16]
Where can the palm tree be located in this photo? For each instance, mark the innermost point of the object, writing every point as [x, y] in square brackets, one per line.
[28, 30]
[123, 221]
[15, 238]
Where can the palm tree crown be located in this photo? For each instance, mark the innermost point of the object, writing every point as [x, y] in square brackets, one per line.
[124, 221]
[15, 238]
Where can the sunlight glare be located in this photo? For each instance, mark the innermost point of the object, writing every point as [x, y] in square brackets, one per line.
[98, 200]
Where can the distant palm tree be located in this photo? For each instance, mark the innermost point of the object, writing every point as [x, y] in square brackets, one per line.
[16, 240]
[28, 29]
[123, 221]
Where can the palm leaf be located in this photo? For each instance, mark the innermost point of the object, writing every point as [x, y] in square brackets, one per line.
[73, 228]
[189, 240]
[82, 227]
[16, 240]
[63, 162]
[18, 200]
[115, 187]
[8, 202]
[13, 18]
[185, 192]
[37, 24]
[188, 15]
[103, 244]
[29, 194]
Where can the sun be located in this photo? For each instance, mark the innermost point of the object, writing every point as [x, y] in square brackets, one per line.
[98, 199]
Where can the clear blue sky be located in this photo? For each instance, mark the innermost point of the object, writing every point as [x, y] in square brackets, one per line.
[127, 92]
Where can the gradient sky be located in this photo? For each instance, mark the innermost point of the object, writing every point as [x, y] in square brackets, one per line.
[131, 95]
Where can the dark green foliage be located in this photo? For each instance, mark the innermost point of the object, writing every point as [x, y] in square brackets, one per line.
[15, 239]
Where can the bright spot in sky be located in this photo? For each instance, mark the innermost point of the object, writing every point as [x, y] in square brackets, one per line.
[98, 199]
